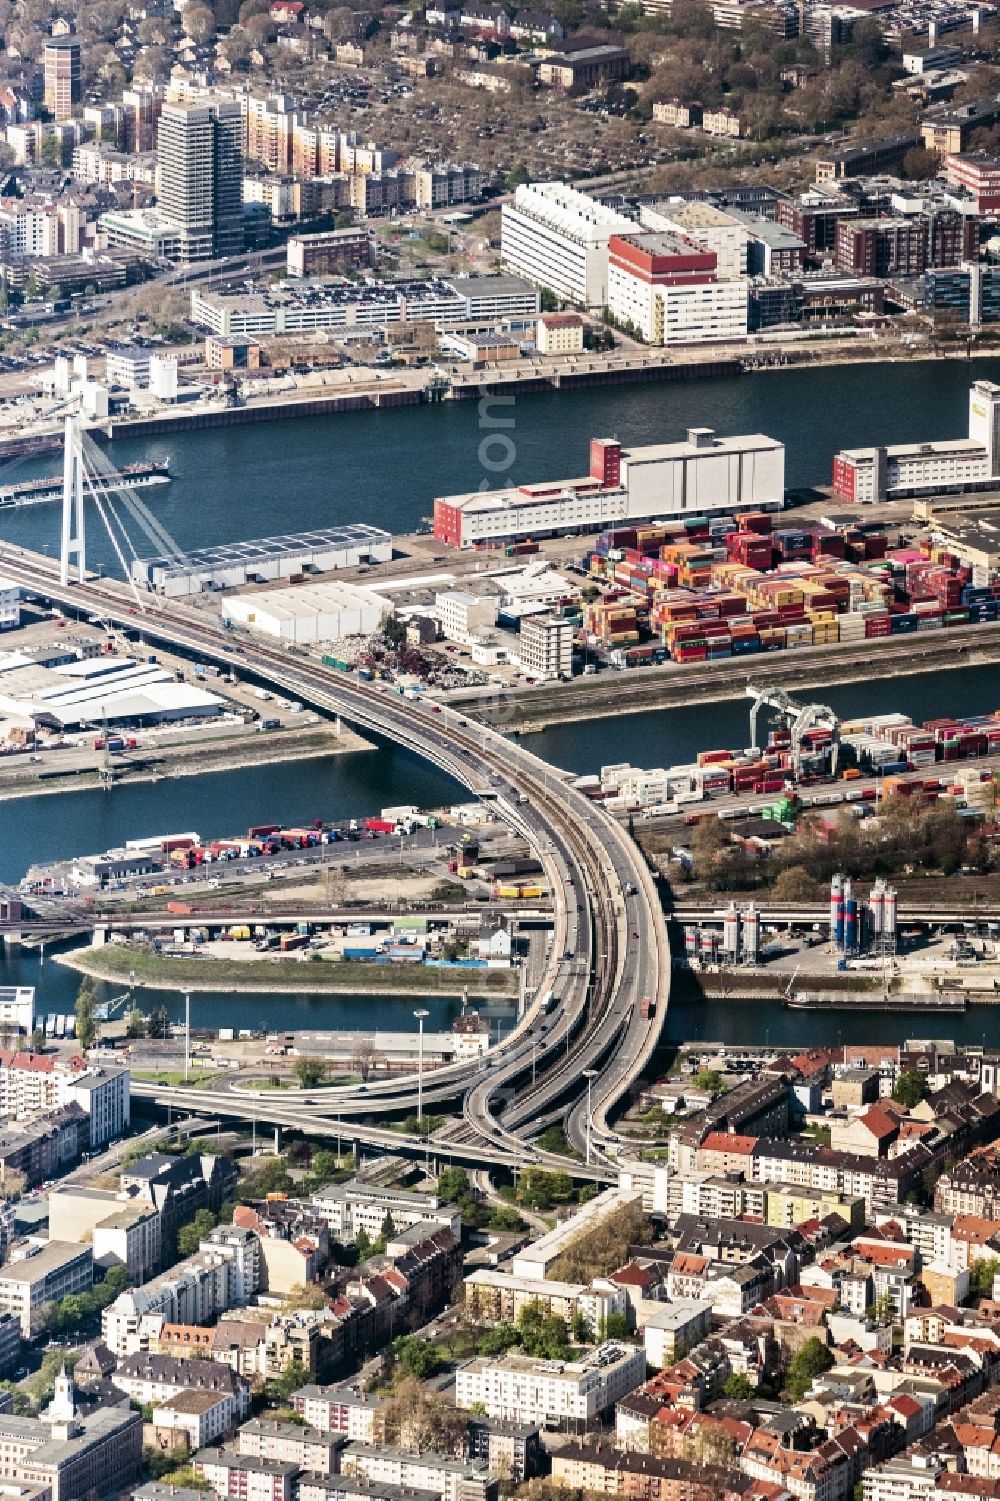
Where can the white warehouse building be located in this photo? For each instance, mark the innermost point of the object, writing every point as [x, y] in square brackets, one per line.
[866, 475]
[558, 238]
[700, 475]
[310, 613]
[233, 564]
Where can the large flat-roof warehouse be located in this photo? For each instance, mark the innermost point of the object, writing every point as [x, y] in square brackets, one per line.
[95, 690]
[234, 564]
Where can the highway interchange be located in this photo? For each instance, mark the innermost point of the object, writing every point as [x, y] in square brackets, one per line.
[609, 949]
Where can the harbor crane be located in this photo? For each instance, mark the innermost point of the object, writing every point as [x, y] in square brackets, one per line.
[800, 718]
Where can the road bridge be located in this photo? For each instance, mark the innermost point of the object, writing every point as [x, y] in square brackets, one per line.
[609, 950]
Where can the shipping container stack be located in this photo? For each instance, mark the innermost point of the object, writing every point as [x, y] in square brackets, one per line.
[731, 588]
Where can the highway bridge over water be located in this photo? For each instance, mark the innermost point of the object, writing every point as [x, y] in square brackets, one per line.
[572, 1057]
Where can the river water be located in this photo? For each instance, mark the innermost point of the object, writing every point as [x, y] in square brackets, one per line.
[386, 468]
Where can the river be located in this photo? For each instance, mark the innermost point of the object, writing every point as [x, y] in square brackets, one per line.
[386, 467]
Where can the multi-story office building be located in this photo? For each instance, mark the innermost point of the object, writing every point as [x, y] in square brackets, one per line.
[63, 76]
[66, 1455]
[33, 1082]
[200, 172]
[331, 252]
[558, 238]
[10, 619]
[440, 187]
[545, 646]
[667, 288]
[120, 1230]
[141, 108]
[351, 1207]
[28, 1286]
[550, 1391]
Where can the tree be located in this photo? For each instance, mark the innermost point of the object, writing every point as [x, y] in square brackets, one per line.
[710, 1079]
[882, 1311]
[237, 47]
[910, 1088]
[116, 1280]
[738, 1387]
[159, 1024]
[310, 1072]
[615, 1326]
[981, 1275]
[580, 1328]
[86, 1013]
[505, 1217]
[919, 163]
[795, 884]
[416, 1357]
[809, 1362]
[498, 1341]
[190, 1236]
[419, 1419]
[324, 1165]
[538, 1189]
[135, 1025]
[198, 22]
[452, 1184]
[546, 1336]
[709, 1445]
[291, 1378]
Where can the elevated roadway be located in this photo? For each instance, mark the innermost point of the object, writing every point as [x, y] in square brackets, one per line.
[609, 950]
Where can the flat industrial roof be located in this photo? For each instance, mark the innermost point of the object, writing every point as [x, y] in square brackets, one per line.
[655, 453]
[306, 601]
[261, 549]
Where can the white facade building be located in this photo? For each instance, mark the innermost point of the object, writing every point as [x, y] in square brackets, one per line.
[559, 334]
[103, 1093]
[351, 1207]
[668, 288]
[545, 646]
[866, 475]
[700, 475]
[224, 1273]
[691, 314]
[711, 227]
[35, 1082]
[440, 1474]
[310, 612]
[10, 604]
[558, 238]
[465, 616]
[29, 230]
[17, 1002]
[27, 1287]
[525, 1390]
